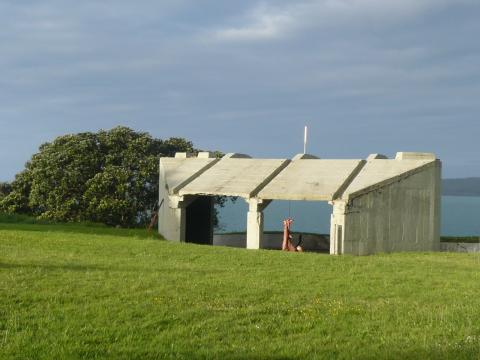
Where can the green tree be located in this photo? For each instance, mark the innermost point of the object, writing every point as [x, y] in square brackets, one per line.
[108, 176]
[16, 201]
[5, 189]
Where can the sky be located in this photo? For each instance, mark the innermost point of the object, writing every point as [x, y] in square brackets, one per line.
[366, 76]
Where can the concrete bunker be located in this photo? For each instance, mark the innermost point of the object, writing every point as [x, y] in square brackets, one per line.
[378, 204]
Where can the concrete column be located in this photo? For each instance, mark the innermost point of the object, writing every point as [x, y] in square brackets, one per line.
[178, 224]
[337, 228]
[172, 223]
[173, 218]
[254, 229]
[333, 238]
[255, 222]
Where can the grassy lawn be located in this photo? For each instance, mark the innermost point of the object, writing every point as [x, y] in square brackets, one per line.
[86, 292]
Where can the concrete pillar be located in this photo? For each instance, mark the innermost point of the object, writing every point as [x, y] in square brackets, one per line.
[254, 229]
[172, 222]
[333, 239]
[178, 224]
[337, 228]
[173, 217]
[255, 222]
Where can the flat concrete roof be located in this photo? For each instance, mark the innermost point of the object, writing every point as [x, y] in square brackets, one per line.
[378, 172]
[235, 177]
[311, 179]
[179, 171]
[303, 178]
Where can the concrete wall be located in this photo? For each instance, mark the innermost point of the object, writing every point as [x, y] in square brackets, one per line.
[337, 225]
[186, 218]
[401, 216]
[310, 242]
[171, 221]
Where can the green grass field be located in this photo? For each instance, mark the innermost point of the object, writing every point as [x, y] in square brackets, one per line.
[87, 292]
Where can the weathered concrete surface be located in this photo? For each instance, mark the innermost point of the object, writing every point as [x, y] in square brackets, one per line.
[379, 205]
[255, 221]
[414, 156]
[311, 179]
[380, 172]
[399, 216]
[254, 229]
[177, 172]
[235, 177]
[376, 156]
[171, 222]
[337, 225]
[310, 242]
[460, 247]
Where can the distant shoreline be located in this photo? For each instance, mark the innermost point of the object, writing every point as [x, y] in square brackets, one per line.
[461, 187]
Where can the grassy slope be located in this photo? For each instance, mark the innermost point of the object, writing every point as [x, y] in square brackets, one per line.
[77, 294]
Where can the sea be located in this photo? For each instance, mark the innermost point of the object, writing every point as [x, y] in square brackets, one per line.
[460, 216]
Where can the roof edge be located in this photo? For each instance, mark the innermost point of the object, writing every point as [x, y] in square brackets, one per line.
[236, 156]
[390, 181]
[304, 157]
[269, 178]
[403, 155]
[339, 193]
[184, 183]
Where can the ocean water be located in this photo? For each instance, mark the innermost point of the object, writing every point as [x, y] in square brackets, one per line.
[460, 216]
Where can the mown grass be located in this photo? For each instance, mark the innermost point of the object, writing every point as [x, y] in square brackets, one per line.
[67, 294]
[29, 223]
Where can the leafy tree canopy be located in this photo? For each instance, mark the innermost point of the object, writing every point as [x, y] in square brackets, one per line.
[109, 177]
[5, 189]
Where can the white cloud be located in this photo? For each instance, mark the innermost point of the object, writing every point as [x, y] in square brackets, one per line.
[267, 21]
[263, 24]
[369, 62]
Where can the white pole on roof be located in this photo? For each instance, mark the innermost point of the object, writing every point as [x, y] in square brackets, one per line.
[305, 140]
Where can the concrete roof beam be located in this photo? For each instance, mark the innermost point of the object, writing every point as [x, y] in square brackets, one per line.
[304, 157]
[232, 176]
[376, 156]
[178, 171]
[380, 172]
[236, 156]
[414, 156]
[311, 179]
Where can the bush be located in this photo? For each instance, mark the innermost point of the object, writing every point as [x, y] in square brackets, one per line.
[109, 177]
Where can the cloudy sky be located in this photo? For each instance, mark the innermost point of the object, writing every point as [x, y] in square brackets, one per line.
[367, 76]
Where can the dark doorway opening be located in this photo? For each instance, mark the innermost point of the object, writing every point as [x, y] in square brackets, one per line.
[199, 221]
